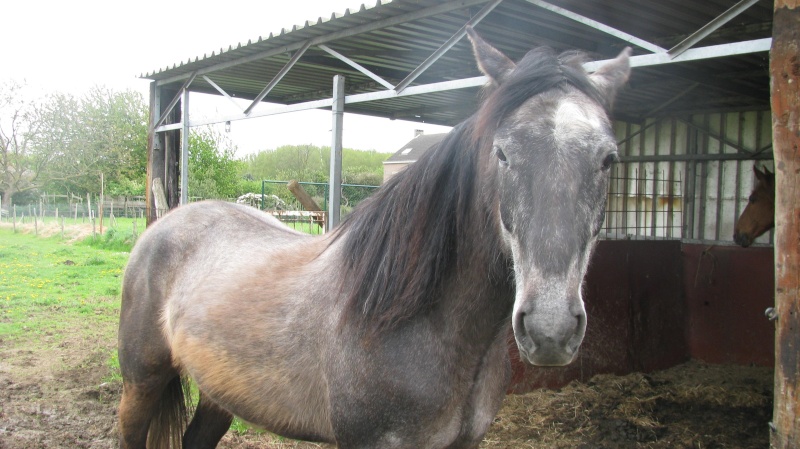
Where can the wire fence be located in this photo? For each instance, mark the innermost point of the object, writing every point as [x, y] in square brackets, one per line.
[278, 199]
[643, 206]
[75, 213]
[96, 218]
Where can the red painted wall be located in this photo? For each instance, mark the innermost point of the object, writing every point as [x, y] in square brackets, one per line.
[727, 289]
[654, 304]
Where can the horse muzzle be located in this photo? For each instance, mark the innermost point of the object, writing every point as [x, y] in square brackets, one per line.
[742, 239]
[545, 338]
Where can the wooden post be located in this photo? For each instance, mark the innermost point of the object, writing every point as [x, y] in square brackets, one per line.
[155, 152]
[300, 193]
[785, 98]
[305, 199]
[159, 198]
[100, 203]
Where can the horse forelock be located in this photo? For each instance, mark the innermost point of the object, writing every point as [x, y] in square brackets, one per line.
[541, 70]
[401, 243]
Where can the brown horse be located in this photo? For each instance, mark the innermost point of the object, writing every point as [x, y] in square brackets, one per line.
[758, 216]
[391, 331]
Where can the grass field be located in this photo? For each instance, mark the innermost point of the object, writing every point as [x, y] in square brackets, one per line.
[54, 288]
[46, 282]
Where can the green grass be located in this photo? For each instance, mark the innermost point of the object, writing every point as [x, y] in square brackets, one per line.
[47, 284]
[53, 287]
[119, 236]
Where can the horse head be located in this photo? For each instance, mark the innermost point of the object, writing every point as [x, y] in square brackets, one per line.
[758, 216]
[549, 147]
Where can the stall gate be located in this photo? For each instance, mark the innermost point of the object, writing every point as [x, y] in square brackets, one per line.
[688, 177]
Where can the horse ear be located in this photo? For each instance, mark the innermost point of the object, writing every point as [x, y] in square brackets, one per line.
[759, 175]
[609, 78]
[491, 61]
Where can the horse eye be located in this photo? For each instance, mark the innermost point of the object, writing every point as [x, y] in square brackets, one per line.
[609, 160]
[501, 156]
[752, 199]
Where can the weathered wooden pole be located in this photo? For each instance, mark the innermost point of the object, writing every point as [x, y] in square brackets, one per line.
[785, 98]
[302, 196]
[305, 199]
[155, 153]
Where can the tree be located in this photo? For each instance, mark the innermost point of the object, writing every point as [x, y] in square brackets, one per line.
[213, 169]
[108, 135]
[61, 143]
[312, 163]
[23, 161]
[115, 125]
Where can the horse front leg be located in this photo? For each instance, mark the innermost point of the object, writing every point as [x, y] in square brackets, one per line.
[488, 393]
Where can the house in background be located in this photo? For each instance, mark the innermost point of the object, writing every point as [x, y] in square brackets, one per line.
[410, 152]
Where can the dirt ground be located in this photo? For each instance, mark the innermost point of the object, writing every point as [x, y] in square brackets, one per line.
[55, 396]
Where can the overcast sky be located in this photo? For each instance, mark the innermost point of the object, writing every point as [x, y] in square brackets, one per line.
[70, 46]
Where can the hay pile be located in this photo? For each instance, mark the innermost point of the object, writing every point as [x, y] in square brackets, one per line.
[693, 405]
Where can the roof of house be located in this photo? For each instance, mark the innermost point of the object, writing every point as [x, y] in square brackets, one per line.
[415, 148]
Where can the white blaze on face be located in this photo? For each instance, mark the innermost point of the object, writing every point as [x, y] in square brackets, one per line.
[575, 121]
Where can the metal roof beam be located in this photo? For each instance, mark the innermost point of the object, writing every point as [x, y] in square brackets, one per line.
[693, 54]
[356, 66]
[710, 27]
[599, 26]
[222, 91]
[175, 99]
[713, 51]
[446, 46]
[352, 31]
[278, 77]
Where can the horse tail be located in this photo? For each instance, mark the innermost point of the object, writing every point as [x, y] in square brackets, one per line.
[171, 417]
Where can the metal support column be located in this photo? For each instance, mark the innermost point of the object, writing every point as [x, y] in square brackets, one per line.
[335, 191]
[184, 147]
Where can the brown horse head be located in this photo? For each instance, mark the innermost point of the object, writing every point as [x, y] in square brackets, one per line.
[759, 214]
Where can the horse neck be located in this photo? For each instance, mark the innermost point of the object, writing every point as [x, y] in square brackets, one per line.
[481, 279]
[425, 233]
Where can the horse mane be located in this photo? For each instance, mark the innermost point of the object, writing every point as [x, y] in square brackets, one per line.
[399, 244]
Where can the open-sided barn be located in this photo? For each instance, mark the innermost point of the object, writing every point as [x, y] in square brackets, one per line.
[666, 283]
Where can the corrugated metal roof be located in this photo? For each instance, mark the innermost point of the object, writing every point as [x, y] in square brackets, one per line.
[392, 38]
